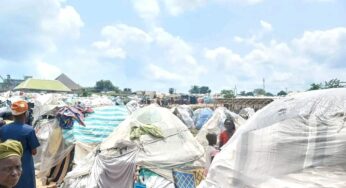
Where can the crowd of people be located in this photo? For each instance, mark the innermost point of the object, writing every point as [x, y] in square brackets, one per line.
[18, 144]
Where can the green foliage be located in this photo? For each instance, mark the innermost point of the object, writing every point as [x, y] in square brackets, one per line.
[202, 90]
[171, 91]
[105, 85]
[314, 86]
[194, 89]
[127, 91]
[259, 91]
[85, 92]
[269, 94]
[227, 94]
[249, 94]
[242, 93]
[333, 83]
[282, 93]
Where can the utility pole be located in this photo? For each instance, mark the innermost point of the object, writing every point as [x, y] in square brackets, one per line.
[264, 84]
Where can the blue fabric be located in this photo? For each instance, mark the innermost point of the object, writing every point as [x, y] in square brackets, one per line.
[26, 135]
[203, 117]
[183, 180]
[98, 125]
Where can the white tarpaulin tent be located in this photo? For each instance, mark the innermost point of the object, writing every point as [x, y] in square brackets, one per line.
[292, 137]
[177, 147]
[215, 124]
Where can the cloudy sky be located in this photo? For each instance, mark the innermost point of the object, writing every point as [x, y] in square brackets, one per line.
[158, 44]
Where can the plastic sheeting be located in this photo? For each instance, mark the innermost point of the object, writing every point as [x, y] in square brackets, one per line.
[215, 124]
[109, 171]
[290, 135]
[98, 125]
[185, 114]
[201, 116]
[246, 113]
[157, 151]
[160, 155]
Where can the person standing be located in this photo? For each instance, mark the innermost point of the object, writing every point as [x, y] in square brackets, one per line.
[11, 152]
[25, 134]
[228, 133]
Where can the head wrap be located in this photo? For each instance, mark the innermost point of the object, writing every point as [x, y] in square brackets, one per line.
[10, 148]
[19, 107]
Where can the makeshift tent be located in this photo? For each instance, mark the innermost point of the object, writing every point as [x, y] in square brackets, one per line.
[215, 125]
[185, 114]
[161, 143]
[42, 85]
[201, 116]
[60, 147]
[288, 140]
[246, 113]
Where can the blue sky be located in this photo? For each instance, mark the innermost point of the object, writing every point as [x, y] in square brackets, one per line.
[158, 44]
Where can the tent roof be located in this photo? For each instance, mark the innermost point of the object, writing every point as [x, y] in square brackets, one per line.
[63, 78]
[42, 85]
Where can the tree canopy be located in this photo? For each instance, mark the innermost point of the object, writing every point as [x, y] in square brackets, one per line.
[227, 94]
[333, 83]
[199, 90]
[282, 93]
[105, 85]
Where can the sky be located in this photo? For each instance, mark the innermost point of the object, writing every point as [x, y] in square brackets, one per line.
[162, 44]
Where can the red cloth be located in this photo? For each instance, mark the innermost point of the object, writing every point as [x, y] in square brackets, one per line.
[224, 137]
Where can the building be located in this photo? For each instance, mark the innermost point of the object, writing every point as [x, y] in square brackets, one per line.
[9, 84]
[37, 85]
[63, 78]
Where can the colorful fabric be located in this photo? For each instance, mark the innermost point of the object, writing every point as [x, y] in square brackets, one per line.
[99, 125]
[67, 115]
[151, 130]
[19, 107]
[183, 179]
[25, 134]
[199, 175]
[10, 148]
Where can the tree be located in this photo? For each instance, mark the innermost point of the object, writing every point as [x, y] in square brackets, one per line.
[269, 94]
[171, 91]
[314, 86]
[333, 83]
[127, 90]
[104, 85]
[227, 94]
[194, 89]
[259, 91]
[204, 90]
[282, 93]
[242, 93]
[249, 94]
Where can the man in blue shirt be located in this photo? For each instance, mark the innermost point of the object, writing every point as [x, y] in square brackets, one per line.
[25, 134]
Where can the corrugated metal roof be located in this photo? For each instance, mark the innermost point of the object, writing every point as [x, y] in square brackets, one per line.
[63, 78]
[42, 85]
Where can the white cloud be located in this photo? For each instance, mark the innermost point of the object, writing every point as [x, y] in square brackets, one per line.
[36, 27]
[151, 9]
[47, 71]
[147, 9]
[67, 22]
[176, 7]
[121, 34]
[294, 64]
[158, 73]
[266, 26]
[322, 43]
